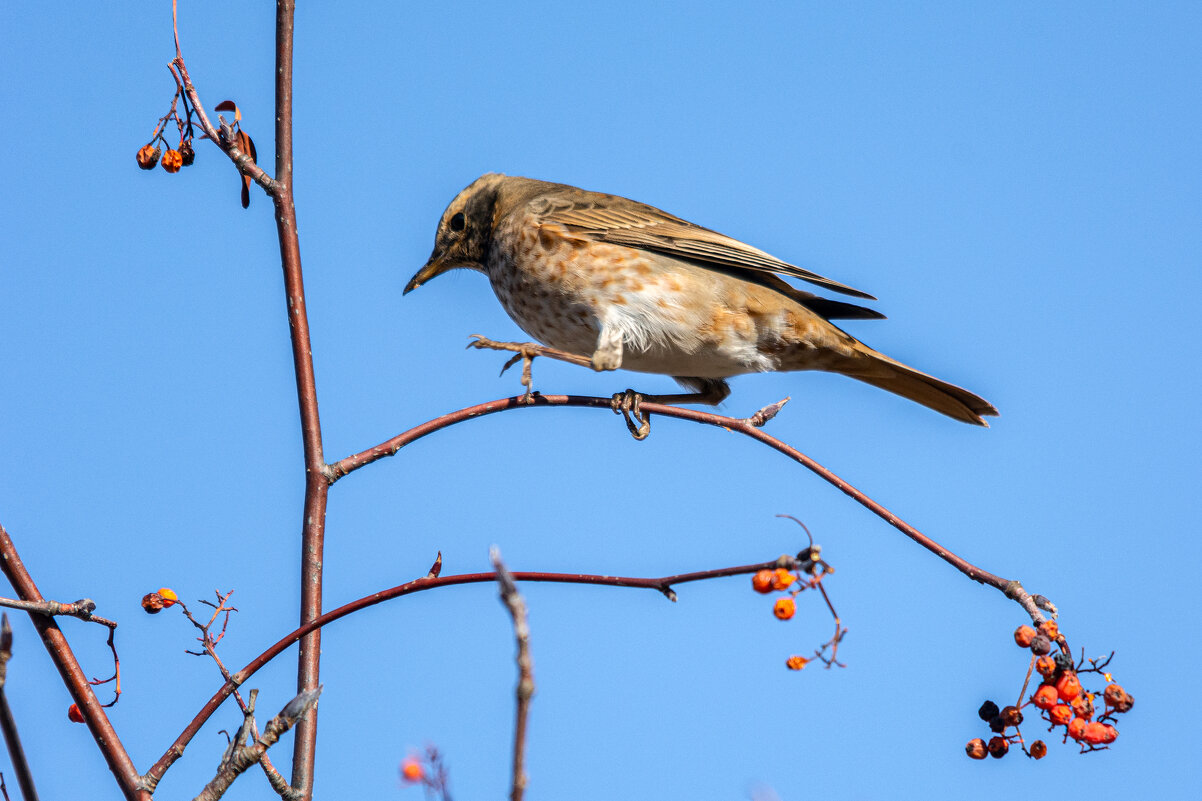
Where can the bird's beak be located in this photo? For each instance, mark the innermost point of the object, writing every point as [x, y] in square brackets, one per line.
[435, 267]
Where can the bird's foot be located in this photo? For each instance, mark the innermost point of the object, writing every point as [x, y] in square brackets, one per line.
[628, 404]
[526, 351]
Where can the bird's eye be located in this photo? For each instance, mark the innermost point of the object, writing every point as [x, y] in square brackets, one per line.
[458, 222]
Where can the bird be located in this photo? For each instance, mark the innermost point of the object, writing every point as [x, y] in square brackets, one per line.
[626, 285]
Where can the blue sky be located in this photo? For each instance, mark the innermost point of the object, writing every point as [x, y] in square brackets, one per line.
[1018, 184]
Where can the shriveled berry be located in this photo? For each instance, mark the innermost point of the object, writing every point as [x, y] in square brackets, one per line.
[1098, 733]
[781, 579]
[1011, 716]
[1082, 706]
[1040, 645]
[1046, 666]
[998, 747]
[1063, 661]
[172, 161]
[796, 662]
[1118, 699]
[784, 608]
[997, 725]
[1076, 728]
[187, 153]
[152, 602]
[1060, 714]
[976, 748]
[1038, 749]
[1049, 629]
[74, 715]
[148, 156]
[1069, 687]
[762, 581]
[1045, 697]
[988, 711]
[1023, 636]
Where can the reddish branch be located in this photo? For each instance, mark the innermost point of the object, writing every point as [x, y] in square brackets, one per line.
[516, 605]
[662, 584]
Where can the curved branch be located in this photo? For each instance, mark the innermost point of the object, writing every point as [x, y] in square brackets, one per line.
[662, 584]
[745, 426]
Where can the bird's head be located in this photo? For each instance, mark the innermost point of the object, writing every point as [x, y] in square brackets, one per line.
[464, 232]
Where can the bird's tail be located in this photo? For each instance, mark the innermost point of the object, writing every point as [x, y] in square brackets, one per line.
[879, 370]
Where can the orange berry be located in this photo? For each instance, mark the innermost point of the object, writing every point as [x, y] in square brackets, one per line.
[411, 770]
[169, 597]
[1060, 714]
[784, 608]
[1069, 686]
[172, 161]
[1045, 697]
[762, 581]
[976, 749]
[74, 715]
[152, 602]
[1076, 728]
[1011, 716]
[796, 662]
[1118, 699]
[1082, 706]
[1045, 665]
[1039, 749]
[1098, 733]
[781, 579]
[148, 156]
[1023, 636]
[1049, 629]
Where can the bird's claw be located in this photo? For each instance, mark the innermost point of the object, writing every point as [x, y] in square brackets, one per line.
[525, 351]
[628, 404]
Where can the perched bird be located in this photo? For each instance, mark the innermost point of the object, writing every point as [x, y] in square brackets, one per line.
[631, 286]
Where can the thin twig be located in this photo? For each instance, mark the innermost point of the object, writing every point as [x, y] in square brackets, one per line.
[8, 724]
[525, 690]
[240, 756]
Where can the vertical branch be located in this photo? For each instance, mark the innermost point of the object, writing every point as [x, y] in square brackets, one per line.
[316, 484]
[525, 691]
[16, 752]
[73, 676]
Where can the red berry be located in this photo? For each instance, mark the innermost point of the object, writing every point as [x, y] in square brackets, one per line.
[1045, 697]
[1023, 636]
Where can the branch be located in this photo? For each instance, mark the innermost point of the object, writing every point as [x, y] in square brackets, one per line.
[525, 690]
[240, 756]
[16, 752]
[76, 682]
[662, 584]
[1033, 604]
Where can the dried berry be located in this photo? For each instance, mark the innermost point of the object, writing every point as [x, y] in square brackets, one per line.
[976, 749]
[998, 746]
[148, 156]
[152, 602]
[1040, 645]
[172, 161]
[796, 662]
[762, 581]
[1023, 636]
[784, 608]
[1045, 697]
[1049, 629]
[1069, 687]
[1039, 749]
[988, 711]
[997, 725]
[1063, 661]
[1011, 716]
[781, 579]
[1046, 666]
[187, 153]
[1118, 699]
[1082, 706]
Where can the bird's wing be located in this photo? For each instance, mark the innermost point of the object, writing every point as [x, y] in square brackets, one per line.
[626, 222]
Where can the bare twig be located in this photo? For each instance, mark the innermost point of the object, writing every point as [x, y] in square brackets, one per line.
[241, 756]
[525, 690]
[8, 724]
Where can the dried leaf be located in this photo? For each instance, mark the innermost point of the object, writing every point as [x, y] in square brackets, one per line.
[230, 105]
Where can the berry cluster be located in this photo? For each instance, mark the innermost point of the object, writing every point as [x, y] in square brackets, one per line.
[794, 575]
[155, 602]
[1060, 698]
